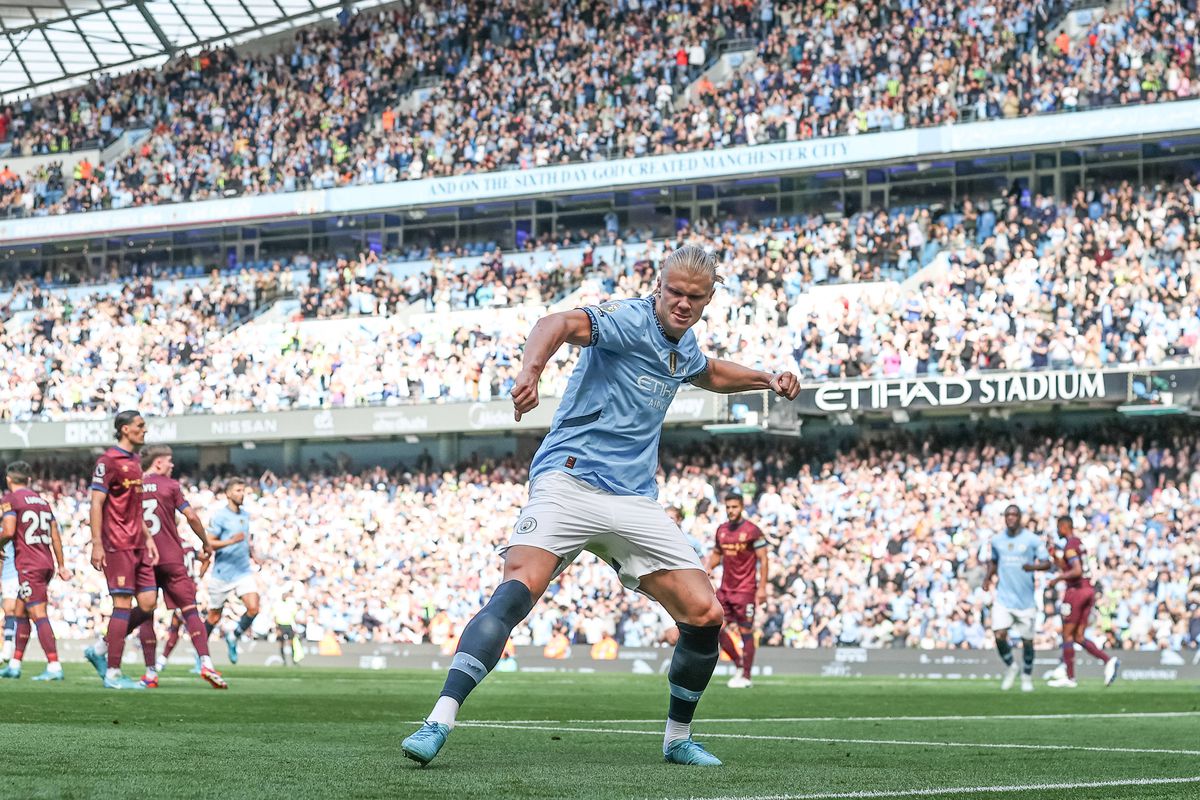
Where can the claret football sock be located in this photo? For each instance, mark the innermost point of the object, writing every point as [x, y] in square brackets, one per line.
[1068, 657]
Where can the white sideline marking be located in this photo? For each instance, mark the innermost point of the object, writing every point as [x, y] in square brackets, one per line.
[1032, 787]
[842, 740]
[944, 718]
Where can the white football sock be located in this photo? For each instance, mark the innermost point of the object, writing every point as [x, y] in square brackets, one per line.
[676, 730]
[54, 666]
[10, 647]
[206, 662]
[15, 664]
[444, 711]
[112, 674]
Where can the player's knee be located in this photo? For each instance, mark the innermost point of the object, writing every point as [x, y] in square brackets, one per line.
[703, 616]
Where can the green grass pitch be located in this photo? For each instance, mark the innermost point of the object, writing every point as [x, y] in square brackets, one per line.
[320, 733]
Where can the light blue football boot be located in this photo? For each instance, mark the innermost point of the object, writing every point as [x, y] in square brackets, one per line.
[121, 682]
[424, 745]
[98, 660]
[686, 751]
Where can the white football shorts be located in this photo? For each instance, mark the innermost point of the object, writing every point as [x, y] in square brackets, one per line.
[1019, 620]
[631, 533]
[219, 591]
[8, 579]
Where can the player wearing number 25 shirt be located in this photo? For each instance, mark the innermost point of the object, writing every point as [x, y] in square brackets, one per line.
[27, 520]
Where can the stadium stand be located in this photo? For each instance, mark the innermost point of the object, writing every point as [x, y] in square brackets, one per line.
[876, 543]
[336, 106]
[1103, 278]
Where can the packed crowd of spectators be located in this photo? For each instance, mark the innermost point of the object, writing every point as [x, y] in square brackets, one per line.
[136, 336]
[520, 85]
[874, 544]
[1107, 277]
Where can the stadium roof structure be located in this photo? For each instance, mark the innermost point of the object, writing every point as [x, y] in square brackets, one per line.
[49, 45]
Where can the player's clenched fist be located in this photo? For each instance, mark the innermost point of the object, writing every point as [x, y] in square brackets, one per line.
[785, 384]
[524, 394]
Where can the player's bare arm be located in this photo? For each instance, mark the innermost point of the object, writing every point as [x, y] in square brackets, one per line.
[95, 518]
[1037, 566]
[8, 529]
[220, 544]
[727, 377]
[60, 565]
[1073, 571]
[197, 526]
[151, 548]
[764, 572]
[549, 333]
[714, 558]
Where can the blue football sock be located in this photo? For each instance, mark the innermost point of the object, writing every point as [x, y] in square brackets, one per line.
[692, 666]
[1027, 655]
[243, 624]
[10, 628]
[1005, 650]
[483, 639]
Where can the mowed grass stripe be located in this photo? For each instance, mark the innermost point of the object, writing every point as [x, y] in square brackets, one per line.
[961, 790]
[844, 740]
[317, 733]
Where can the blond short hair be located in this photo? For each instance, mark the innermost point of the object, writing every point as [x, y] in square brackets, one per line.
[692, 260]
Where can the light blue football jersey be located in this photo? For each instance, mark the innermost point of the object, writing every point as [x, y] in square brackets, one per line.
[233, 562]
[1016, 588]
[607, 427]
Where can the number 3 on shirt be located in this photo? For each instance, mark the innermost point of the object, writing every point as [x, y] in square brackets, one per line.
[148, 509]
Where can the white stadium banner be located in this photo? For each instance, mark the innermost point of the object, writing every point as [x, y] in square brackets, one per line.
[1129, 122]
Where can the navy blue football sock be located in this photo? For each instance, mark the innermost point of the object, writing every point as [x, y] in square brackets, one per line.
[244, 624]
[10, 628]
[483, 639]
[692, 666]
[208, 627]
[1005, 650]
[1027, 655]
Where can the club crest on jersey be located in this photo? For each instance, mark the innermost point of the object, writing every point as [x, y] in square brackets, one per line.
[526, 525]
[673, 361]
[610, 308]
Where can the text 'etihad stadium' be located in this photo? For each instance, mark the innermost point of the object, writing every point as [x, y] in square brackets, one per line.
[883, 395]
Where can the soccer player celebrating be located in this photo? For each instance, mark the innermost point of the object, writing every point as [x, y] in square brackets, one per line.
[162, 498]
[592, 487]
[1078, 601]
[741, 549]
[233, 571]
[28, 521]
[1015, 557]
[122, 546]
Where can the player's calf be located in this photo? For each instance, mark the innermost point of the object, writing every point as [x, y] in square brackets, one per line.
[691, 669]
[479, 649]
